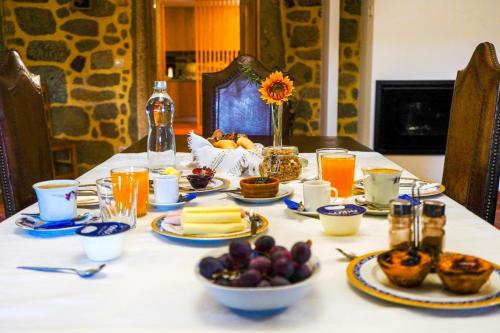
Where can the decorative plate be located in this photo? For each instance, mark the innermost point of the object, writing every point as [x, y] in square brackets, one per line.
[370, 210]
[216, 184]
[365, 274]
[282, 193]
[428, 188]
[84, 216]
[170, 230]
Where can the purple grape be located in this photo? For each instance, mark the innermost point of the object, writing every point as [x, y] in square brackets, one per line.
[223, 282]
[263, 284]
[282, 253]
[226, 261]
[279, 281]
[301, 252]
[277, 248]
[301, 273]
[209, 266]
[262, 264]
[264, 244]
[283, 267]
[250, 278]
[240, 250]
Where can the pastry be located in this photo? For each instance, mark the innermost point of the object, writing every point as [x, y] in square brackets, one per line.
[226, 144]
[405, 268]
[462, 273]
[245, 142]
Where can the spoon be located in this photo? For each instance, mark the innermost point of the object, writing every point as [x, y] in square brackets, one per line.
[347, 254]
[84, 273]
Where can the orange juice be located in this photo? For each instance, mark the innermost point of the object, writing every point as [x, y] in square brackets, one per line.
[338, 169]
[127, 178]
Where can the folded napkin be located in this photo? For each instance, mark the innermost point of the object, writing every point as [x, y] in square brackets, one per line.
[236, 162]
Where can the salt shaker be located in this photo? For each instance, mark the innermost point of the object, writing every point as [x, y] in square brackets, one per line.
[400, 224]
[433, 221]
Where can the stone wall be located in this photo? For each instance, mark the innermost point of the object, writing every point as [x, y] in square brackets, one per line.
[85, 59]
[291, 38]
[349, 61]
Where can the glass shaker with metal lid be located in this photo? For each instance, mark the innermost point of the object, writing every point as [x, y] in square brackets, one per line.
[433, 221]
[400, 224]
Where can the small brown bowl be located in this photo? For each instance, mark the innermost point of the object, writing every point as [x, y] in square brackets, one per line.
[251, 190]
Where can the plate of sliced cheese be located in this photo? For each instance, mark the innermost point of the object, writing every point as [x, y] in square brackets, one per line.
[208, 223]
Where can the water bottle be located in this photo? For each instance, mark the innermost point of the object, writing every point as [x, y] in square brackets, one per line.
[161, 138]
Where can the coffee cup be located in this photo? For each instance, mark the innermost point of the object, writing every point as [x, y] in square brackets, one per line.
[166, 189]
[381, 185]
[317, 193]
[57, 199]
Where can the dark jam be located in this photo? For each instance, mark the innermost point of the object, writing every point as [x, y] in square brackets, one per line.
[412, 260]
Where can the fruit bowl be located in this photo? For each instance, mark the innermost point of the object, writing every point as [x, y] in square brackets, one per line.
[259, 298]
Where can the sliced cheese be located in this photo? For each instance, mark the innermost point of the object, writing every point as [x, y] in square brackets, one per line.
[215, 214]
[211, 228]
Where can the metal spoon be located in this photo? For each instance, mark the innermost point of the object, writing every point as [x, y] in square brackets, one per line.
[347, 254]
[85, 273]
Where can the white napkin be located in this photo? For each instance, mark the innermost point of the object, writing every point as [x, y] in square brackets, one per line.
[236, 162]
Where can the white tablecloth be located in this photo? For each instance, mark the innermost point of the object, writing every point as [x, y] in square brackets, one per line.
[152, 288]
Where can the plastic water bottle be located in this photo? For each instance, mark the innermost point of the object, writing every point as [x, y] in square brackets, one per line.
[161, 138]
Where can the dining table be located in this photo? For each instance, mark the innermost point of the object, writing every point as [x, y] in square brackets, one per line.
[152, 286]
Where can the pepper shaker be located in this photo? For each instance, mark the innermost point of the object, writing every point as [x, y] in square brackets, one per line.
[400, 224]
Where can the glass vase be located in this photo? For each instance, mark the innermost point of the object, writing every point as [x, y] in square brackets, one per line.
[277, 117]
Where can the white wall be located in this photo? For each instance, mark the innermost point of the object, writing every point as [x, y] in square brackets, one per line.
[419, 40]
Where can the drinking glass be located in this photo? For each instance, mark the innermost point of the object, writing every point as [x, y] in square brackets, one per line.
[118, 199]
[337, 166]
[124, 177]
[325, 151]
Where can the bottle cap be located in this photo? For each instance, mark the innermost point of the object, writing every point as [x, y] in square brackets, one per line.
[400, 207]
[433, 208]
[160, 85]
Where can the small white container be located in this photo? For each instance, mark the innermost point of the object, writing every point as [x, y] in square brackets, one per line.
[103, 241]
[166, 189]
[341, 220]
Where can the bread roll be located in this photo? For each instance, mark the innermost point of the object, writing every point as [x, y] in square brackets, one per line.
[226, 144]
[245, 143]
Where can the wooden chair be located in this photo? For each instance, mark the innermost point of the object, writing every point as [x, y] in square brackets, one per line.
[25, 156]
[471, 166]
[232, 103]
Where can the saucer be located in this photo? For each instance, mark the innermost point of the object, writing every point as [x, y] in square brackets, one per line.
[171, 206]
[283, 192]
[84, 216]
[370, 210]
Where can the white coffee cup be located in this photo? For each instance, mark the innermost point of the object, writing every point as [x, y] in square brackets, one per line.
[166, 189]
[317, 193]
[57, 199]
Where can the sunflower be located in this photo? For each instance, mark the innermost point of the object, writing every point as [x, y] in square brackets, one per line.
[276, 89]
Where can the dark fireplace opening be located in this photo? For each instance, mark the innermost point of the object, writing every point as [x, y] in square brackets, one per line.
[411, 117]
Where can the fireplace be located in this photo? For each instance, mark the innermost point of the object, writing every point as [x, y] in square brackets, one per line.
[411, 117]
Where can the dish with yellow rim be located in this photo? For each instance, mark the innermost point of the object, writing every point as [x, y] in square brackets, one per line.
[175, 231]
[365, 274]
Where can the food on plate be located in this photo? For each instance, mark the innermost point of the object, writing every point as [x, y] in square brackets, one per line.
[212, 220]
[265, 265]
[463, 274]
[405, 268]
[231, 140]
[259, 187]
[281, 162]
[171, 171]
[226, 144]
[200, 177]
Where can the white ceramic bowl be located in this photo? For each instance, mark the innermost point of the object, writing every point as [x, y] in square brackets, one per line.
[341, 220]
[103, 241]
[259, 299]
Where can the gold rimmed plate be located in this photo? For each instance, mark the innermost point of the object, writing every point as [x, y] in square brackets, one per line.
[427, 187]
[365, 274]
[160, 226]
[216, 184]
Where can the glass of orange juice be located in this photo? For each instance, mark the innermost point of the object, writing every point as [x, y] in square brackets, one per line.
[126, 177]
[337, 166]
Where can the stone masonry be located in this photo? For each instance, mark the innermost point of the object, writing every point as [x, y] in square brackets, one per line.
[84, 58]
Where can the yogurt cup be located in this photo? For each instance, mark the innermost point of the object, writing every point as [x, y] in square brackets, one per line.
[103, 241]
[341, 220]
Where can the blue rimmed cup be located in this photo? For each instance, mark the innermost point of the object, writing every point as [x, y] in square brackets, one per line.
[103, 241]
[341, 220]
